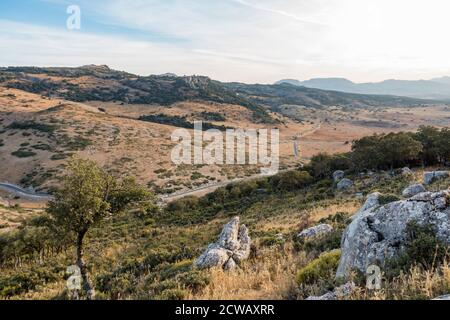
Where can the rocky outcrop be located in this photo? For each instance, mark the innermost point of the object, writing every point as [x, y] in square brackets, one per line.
[432, 176]
[315, 231]
[344, 184]
[338, 175]
[339, 293]
[406, 171]
[229, 251]
[413, 190]
[378, 231]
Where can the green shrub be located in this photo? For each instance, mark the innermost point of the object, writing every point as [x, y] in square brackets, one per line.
[388, 198]
[42, 146]
[422, 247]
[32, 125]
[172, 294]
[327, 242]
[23, 154]
[194, 280]
[271, 239]
[320, 268]
[291, 180]
[184, 204]
[176, 268]
[59, 156]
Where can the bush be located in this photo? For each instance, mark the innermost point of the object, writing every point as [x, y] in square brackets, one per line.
[183, 204]
[327, 242]
[291, 180]
[323, 165]
[23, 154]
[422, 248]
[388, 198]
[320, 268]
[194, 280]
[32, 125]
[172, 294]
[176, 268]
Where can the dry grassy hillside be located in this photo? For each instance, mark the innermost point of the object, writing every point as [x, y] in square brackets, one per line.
[38, 134]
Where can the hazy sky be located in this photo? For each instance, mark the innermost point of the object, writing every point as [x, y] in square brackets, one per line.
[235, 40]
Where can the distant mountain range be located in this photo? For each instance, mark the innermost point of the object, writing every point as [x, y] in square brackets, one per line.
[437, 88]
[100, 83]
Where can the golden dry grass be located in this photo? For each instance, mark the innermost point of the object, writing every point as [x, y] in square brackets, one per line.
[418, 284]
[269, 276]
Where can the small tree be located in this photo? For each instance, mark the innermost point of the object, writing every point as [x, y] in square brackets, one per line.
[89, 194]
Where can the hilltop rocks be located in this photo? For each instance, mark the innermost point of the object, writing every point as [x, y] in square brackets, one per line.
[432, 176]
[413, 190]
[229, 251]
[378, 231]
[338, 175]
[344, 184]
[315, 231]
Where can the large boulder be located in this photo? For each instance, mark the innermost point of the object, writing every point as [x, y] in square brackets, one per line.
[378, 231]
[232, 247]
[338, 175]
[344, 184]
[413, 190]
[313, 232]
[432, 176]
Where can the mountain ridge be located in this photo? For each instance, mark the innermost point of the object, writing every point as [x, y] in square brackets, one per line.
[436, 88]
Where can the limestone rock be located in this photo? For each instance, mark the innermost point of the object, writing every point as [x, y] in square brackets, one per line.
[406, 171]
[432, 176]
[344, 184]
[339, 293]
[413, 190]
[378, 232]
[232, 247]
[313, 232]
[338, 175]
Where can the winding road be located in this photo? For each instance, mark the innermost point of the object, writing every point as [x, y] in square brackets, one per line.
[23, 193]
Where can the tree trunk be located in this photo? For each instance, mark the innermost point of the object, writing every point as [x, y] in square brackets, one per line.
[87, 286]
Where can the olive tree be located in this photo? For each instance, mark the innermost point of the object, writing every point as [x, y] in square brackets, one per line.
[87, 195]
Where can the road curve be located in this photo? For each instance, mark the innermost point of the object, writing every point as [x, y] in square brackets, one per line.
[23, 193]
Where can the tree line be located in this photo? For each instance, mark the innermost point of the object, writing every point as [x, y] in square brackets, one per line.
[429, 146]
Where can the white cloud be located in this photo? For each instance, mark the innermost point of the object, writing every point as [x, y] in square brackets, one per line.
[249, 40]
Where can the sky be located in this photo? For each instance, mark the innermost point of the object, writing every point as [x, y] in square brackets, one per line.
[253, 41]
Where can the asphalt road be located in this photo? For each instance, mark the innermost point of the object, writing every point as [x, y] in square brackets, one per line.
[23, 193]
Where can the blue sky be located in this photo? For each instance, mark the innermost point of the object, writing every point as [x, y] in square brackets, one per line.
[257, 41]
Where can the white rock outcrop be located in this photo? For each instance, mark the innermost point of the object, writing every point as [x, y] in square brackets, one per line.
[413, 190]
[313, 232]
[378, 231]
[406, 171]
[432, 176]
[338, 175]
[339, 293]
[229, 251]
[344, 184]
